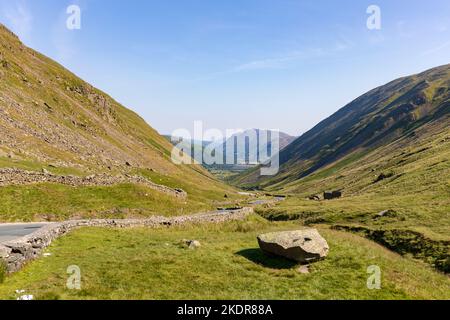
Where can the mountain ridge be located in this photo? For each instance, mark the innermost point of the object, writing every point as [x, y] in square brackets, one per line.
[382, 115]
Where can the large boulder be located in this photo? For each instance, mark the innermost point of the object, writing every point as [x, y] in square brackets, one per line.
[303, 246]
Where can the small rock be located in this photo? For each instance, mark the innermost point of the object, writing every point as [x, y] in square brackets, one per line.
[384, 176]
[4, 252]
[303, 270]
[385, 213]
[192, 244]
[45, 171]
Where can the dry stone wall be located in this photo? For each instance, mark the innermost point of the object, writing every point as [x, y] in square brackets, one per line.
[23, 177]
[18, 252]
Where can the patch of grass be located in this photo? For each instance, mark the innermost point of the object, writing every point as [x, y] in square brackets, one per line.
[418, 190]
[50, 201]
[150, 264]
[6, 162]
[59, 202]
[2, 271]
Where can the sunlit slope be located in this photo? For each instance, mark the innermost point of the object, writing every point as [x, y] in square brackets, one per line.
[50, 119]
[388, 152]
[404, 110]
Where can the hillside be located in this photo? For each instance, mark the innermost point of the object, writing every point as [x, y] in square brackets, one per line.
[397, 111]
[54, 123]
[388, 152]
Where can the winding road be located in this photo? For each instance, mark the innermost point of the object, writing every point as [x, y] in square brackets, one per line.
[13, 231]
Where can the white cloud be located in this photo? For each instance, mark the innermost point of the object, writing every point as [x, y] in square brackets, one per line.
[293, 57]
[436, 49]
[18, 17]
[271, 63]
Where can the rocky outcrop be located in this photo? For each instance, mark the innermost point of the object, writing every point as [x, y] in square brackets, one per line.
[19, 252]
[303, 246]
[23, 177]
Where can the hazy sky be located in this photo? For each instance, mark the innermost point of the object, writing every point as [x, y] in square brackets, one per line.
[277, 64]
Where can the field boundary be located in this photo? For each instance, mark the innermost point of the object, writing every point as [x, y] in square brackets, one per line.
[18, 252]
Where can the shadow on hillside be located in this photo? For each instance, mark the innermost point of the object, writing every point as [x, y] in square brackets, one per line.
[268, 261]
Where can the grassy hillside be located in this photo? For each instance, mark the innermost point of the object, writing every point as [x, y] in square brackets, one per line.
[50, 119]
[152, 264]
[388, 151]
[403, 109]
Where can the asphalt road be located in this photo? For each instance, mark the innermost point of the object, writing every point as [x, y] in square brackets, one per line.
[14, 231]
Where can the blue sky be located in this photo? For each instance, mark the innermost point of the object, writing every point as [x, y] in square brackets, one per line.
[274, 64]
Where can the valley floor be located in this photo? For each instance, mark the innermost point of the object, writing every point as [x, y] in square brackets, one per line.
[152, 264]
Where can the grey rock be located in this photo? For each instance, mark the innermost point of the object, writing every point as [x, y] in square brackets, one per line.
[303, 269]
[192, 244]
[4, 252]
[303, 246]
[385, 213]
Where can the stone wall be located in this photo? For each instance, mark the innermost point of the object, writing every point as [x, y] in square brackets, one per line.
[18, 252]
[23, 177]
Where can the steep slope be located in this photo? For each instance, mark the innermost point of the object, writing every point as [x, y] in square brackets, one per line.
[388, 152]
[52, 121]
[388, 113]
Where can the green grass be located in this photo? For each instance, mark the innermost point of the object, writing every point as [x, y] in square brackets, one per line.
[6, 162]
[3, 271]
[418, 192]
[151, 264]
[50, 201]
[56, 202]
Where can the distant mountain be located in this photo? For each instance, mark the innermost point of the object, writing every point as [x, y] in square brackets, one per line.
[397, 111]
[249, 140]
